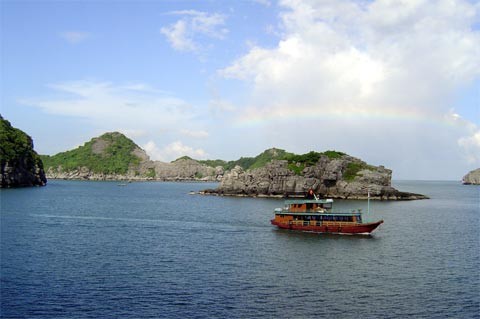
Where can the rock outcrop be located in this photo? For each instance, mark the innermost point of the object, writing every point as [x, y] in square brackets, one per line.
[20, 165]
[472, 178]
[345, 177]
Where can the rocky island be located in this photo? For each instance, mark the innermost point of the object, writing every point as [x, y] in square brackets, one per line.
[20, 165]
[472, 178]
[113, 156]
[331, 174]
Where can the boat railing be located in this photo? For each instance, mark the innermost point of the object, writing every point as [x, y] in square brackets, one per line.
[316, 211]
[318, 223]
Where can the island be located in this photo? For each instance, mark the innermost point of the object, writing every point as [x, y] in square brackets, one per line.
[472, 178]
[330, 174]
[113, 156]
[20, 165]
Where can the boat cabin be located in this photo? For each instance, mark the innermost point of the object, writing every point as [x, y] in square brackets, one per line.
[308, 205]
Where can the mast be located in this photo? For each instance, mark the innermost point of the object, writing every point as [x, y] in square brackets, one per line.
[368, 203]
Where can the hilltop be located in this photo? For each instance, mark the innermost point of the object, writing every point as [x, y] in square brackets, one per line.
[109, 154]
[20, 165]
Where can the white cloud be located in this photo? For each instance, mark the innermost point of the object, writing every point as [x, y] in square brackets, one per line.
[135, 108]
[173, 151]
[377, 66]
[471, 146]
[74, 37]
[186, 34]
[470, 141]
[179, 36]
[342, 54]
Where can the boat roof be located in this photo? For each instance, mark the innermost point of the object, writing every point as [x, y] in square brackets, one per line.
[308, 201]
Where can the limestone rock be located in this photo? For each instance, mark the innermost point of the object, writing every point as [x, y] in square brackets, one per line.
[20, 165]
[346, 178]
[472, 178]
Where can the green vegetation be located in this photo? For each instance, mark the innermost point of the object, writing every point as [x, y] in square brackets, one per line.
[307, 159]
[214, 163]
[266, 157]
[182, 158]
[297, 168]
[110, 153]
[249, 162]
[151, 173]
[16, 146]
[333, 154]
[296, 163]
[353, 168]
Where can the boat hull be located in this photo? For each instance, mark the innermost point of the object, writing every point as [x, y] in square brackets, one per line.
[331, 229]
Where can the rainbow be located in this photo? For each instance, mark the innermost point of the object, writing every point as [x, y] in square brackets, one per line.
[257, 117]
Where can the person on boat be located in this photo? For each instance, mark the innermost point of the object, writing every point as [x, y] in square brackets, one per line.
[310, 194]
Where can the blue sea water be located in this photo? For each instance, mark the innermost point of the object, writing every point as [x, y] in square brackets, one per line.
[151, 250]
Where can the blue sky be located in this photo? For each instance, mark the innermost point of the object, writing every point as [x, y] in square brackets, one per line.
[396, 83]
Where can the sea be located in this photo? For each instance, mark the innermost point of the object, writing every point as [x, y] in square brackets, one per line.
[81, 249]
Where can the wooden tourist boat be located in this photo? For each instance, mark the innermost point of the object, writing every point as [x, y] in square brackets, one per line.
[316, 215]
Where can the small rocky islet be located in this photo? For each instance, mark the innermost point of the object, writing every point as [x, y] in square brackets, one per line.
[472, 177]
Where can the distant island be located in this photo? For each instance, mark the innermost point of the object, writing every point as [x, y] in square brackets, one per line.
[20, 165]
[472, 178]
[275, 172]
[113, 156]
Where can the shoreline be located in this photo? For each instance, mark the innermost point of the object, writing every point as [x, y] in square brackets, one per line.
[402, 196]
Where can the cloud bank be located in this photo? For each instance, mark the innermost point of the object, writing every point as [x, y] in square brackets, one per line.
[375, 77]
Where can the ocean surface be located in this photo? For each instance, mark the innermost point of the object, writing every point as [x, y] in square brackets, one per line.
[151, 250]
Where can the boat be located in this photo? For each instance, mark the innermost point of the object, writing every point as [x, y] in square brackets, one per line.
[316, 215]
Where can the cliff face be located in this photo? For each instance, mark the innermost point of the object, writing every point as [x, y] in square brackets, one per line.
[472, 178]
[113, 156]
[343, 177]
[20, 165]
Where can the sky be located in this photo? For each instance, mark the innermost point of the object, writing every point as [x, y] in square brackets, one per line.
[395, 83]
